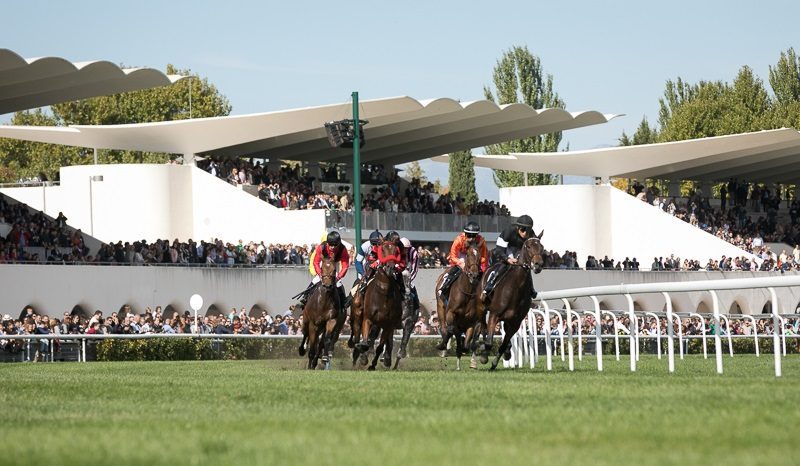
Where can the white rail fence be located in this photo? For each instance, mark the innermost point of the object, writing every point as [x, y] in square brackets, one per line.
[525, 344]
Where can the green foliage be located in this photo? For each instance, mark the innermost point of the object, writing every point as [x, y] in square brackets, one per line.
[24, 159]
[415, 171]
[462, 176]
[518, 77]
[27, 159]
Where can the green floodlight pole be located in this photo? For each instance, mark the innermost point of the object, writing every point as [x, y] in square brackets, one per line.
[356, 170]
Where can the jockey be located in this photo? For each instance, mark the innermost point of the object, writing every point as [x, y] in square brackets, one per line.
[399, 258]
[410, 273]
[368, 253]
[311, 270]
[332, 247]
[509, 243]
[458, 252]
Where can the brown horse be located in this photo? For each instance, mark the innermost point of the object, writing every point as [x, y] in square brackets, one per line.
[381, 311]
[461, 315]
[511, 299]
[322, 320]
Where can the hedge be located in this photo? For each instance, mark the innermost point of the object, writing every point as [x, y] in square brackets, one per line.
[175, 349]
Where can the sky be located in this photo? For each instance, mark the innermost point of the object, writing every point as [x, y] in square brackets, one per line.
[612, 56]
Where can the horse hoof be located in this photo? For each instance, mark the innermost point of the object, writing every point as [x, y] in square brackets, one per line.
[363, 359]
[507, 355]
[387, 362]
[493, 368]
[442, 346]
[443, 354]
[402, 354]
[473, 364]
[351, 344]
[371, 368]
[484, 359]
[301, 351]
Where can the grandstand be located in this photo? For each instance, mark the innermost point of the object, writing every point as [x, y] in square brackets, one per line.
[194, 200]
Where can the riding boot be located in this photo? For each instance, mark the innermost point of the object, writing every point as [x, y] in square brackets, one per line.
[303, 299]
[344, 300]
[447, 281]
[490, 282]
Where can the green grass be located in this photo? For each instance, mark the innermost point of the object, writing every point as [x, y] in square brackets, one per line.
[271, 412]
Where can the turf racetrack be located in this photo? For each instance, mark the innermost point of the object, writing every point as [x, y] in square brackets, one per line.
[271, 412]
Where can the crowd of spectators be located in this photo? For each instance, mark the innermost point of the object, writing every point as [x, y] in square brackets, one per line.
[291, 188]
[34, 229]
[733, 220]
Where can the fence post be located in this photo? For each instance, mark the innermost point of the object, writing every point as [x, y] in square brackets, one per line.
[616, 332]
[598, 337]
[728, 327]
[83, 348]
[703, 330]
[776, 343]
[755, 331]
[658, 332]
[569, 333]
[717, 323]
[671, 333]
[633, 331]
[548, 345]
[532, 331]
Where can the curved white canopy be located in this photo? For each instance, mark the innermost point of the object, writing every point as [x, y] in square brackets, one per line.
[764, 156]
[400, 129]
[37, 82]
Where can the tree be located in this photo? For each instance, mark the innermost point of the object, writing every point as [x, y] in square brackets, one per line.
[519, 78]
[414, 171]
[462, 176]
[22, 159]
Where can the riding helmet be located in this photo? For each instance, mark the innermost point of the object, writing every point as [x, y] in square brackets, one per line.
[472, 228]
[525, 221]
[392, 236]
[406, 242]
[375, 237]
[334, 239]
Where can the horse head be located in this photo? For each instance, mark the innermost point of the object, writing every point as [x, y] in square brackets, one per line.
[472, 262]
[328, 269]
[533, 252]
[388, 249]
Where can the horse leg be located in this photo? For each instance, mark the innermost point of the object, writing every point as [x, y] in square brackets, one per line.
[441, 313]
[378, 352]
[389, 345]
[511, 328]
[459, 349]
[409, 318]
[365, 344]
[302, 349]
[489, 340]
[312, 347]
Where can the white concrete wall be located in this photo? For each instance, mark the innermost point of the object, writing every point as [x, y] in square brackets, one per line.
[602, 220]
[55, 289]
[150, 202]
[226, 212]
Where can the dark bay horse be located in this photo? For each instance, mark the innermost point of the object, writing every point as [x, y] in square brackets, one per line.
[511, 299]
[322, 320]
[381, 311]
[461, 316]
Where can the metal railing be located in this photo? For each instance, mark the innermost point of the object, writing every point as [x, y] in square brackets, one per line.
[407, 221]
[524, 341]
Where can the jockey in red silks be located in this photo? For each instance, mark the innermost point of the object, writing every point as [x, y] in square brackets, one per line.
[398, 257]
[334, 248]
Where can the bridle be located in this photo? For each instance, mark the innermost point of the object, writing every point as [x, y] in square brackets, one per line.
[532, 260]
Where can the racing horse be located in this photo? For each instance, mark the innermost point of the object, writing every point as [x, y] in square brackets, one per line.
[381, 311]
[461, 315]
[322, 318]
[511, 299]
